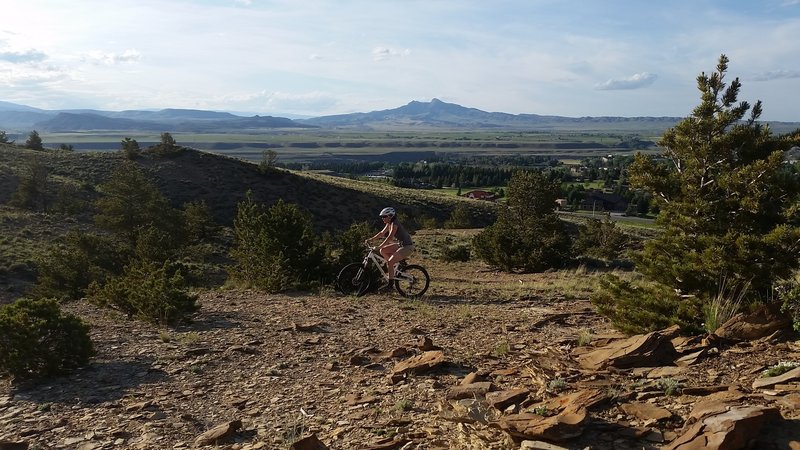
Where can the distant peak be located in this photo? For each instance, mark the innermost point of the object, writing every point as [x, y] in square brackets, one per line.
[436, 100]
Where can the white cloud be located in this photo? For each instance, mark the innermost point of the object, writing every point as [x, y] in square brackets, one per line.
[384, 53]
[22, 76]
[776, 74]
[22, 57]
[111, 58]
[635, 81]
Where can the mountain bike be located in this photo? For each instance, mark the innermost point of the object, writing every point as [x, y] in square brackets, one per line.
[410, 280]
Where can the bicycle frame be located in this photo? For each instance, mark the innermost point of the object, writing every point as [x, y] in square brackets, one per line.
[375, 257]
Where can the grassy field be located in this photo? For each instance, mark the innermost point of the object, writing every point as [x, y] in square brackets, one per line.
[308, 145]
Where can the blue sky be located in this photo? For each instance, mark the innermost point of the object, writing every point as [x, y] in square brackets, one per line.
[321, 57]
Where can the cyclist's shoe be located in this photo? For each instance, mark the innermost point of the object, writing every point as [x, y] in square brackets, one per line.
[387, 286]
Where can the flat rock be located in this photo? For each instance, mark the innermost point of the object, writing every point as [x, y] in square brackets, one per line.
[705, 390]
[693, 358]
[790, 402]
[218, 432]
[472, 377]
[645, 350]
[665, 372]
[539, 445]
[419, 364]
[576, 401]
[791, 375]
[645, 411]
[503, 399]
[733, 429]
[558, 428]
[478, 389]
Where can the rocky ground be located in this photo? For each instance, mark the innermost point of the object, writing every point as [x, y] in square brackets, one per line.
[455, 371]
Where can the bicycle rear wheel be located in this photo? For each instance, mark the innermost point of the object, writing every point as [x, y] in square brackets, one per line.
[353, 279]
[412, 281]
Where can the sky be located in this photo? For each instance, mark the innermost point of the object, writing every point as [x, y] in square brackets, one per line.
[320, 57]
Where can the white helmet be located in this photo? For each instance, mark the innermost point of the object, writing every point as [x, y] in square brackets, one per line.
[388, 211]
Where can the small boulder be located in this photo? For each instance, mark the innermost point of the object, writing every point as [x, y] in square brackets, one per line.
[645, 350]
[762, 322]
[419, 364]
[219, 432]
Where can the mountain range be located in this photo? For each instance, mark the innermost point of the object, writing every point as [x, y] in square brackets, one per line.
[433, 115]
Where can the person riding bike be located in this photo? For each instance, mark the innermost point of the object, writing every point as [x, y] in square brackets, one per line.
[396, 245]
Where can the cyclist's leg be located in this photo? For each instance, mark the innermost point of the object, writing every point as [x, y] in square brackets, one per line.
[387, 253]
[400, 254]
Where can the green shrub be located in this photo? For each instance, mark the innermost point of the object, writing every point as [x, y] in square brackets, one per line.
[787, 292]
[641, 307]
[779, 369]
[156, 244]
[351, 244]
[148, 291]
[600, 239]
[536, 245]
[428, 222]
[34, 185]
[460, 217]
[66, 272]
[37, 340]
[131, 202]
[455, 252]
[275, 249]
[528, 236]
[130, 148]
[200, 223]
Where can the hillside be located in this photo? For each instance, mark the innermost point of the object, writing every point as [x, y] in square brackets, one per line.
[222, 182]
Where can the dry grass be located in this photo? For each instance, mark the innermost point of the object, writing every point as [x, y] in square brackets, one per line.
[474, 281]
[726, 304]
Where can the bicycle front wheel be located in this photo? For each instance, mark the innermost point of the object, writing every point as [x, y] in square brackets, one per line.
[353, 279]
[413, 281]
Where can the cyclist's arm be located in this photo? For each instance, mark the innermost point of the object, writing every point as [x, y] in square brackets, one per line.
[390, 234]
[383, 232]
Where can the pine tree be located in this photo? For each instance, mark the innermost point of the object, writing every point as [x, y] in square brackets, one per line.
[133, 203]
[4, 138]
[34, 141]
[130, 148]
[728, 205]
